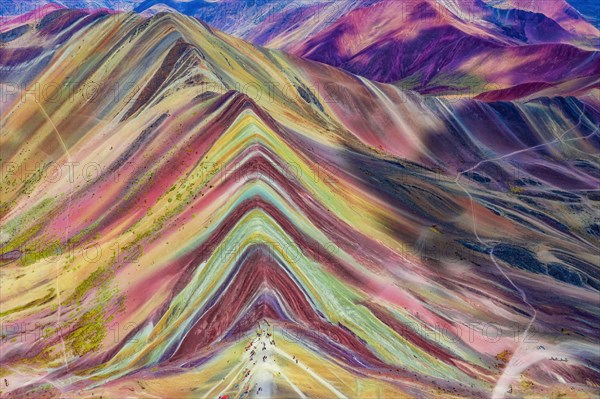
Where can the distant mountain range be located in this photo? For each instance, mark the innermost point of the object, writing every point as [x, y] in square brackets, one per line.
[494, 49]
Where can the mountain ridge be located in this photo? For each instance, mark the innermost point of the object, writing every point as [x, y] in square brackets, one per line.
[341, 210]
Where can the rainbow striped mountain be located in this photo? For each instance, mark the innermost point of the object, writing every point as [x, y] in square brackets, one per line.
[238, 199]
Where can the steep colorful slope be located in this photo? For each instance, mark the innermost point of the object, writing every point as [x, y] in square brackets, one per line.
[29, 42]
[199, 217]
